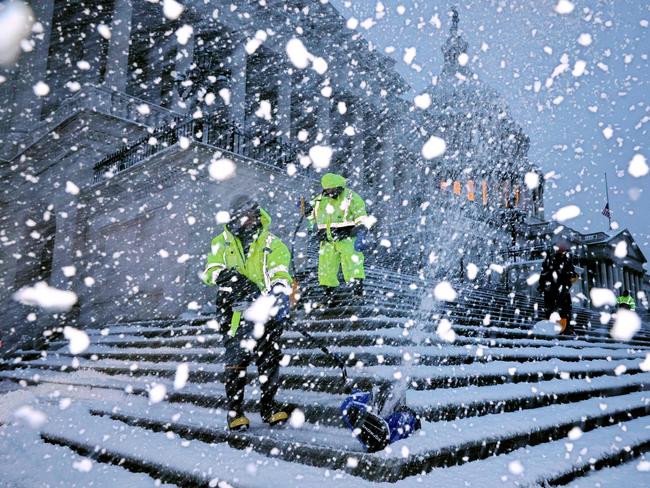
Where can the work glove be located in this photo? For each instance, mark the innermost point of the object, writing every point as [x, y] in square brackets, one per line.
[361, 239]
[304, 206]
[282, 303]
[234, 288]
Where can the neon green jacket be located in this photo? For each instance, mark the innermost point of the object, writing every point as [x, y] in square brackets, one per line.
[347, 210]
[266, 263]
[628, 300]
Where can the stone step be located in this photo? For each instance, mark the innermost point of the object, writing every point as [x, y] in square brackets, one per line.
[438, 354]
[312, 379]
[332, 448]
[353, 338]
[634, 472]
[355, 324]
[330, 379]
[474, 446]
[447, 404]
[29, 461]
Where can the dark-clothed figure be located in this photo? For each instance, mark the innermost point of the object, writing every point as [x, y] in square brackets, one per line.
[246, 261]
[556, 278]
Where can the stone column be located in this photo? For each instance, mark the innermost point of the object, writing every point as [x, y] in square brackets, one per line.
[117, 59]
[323, 118]
[610, 276]
[387, 161]
[284, 105]
[603, 283]
[31, 68]
[183, 61]
[619, 275]
[237, 65]
[356, 153]
[584, 279]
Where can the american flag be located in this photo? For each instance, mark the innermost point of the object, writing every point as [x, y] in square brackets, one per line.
[605, 211]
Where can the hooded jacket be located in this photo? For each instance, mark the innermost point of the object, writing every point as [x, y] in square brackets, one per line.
[346, 210]
[265, 263]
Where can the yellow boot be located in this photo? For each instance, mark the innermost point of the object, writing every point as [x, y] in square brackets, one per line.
[240, 422]
[277, 418]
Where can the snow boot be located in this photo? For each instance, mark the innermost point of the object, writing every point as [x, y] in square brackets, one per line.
[274, 414]
[278, 417]
[238, 423]
[357, 287]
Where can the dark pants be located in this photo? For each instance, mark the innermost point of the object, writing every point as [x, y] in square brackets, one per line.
[558, 301]
[241, 350]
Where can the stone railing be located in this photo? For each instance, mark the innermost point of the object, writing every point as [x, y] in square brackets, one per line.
[212, 130]
[101, 100]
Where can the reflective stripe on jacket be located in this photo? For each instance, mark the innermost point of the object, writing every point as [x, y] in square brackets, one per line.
[347, 210]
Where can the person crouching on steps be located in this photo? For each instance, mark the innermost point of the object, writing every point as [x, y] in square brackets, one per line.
[247, 261]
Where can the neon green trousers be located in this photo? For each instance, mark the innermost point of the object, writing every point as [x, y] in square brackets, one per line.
[333, 254]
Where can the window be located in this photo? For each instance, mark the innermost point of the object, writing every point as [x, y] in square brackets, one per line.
[471, 196]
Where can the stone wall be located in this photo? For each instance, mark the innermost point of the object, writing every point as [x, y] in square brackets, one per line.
[146, 237]
[138, 241]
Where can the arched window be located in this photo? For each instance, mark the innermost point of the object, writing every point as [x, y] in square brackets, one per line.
[457, 187]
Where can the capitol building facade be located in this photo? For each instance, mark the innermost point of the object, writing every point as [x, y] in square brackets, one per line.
[106, 189]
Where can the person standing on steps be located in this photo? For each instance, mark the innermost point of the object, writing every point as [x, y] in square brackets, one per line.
[249, 264]
[555, 280]
[626, 301]
[338, 216]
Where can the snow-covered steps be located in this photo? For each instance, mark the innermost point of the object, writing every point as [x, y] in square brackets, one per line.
[438, 404]
[117, 427]
[330, 379]
[292, 377]
[28, 460]
[635, 472]
[497, 393]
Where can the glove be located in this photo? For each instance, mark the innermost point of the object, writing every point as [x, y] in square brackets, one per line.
[235, 287]
[305, 207]
[361, 241]
[283, 305]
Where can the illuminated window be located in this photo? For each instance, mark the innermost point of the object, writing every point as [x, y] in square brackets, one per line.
[470, 191]
[484, 192]
[457, 187]
[444, 184]
[516, 197]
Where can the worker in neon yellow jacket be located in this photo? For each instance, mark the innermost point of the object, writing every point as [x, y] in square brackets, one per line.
[626, 301]
[338, 216]
[248, 263]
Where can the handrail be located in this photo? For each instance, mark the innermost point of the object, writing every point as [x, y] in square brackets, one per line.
[90, 98]
[211, 130]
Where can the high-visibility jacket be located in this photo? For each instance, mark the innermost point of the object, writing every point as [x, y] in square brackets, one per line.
[265, 263]
[626, 300]
[347, 210]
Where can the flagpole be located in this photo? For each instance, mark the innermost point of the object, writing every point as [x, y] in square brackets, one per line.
[609, 213]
